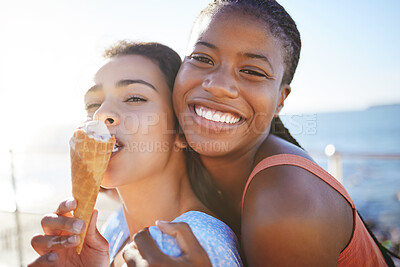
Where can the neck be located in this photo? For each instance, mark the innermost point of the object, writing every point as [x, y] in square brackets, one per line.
[230, 173]
[163, 196]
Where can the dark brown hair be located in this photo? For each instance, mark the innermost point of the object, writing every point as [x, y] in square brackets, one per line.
[166, 58]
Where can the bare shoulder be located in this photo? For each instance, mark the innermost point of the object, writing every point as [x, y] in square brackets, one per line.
[292, 217]
[275, 145]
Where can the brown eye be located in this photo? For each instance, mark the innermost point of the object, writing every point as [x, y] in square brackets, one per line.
[136, 99]
[202, 59]
[255, 73]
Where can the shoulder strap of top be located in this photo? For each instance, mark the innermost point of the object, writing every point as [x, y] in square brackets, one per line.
[294, 160]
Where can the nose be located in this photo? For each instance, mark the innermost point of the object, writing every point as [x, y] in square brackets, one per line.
[221, 84]
[106, 114]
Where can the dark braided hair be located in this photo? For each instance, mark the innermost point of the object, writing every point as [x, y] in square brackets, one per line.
[278, 129]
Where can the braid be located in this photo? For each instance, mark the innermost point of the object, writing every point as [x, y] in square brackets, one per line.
[278, 129]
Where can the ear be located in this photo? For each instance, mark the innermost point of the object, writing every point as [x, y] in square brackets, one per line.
[180, 141]
[284, 91]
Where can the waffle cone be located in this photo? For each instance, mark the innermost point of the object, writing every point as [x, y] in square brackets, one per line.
[89, 160]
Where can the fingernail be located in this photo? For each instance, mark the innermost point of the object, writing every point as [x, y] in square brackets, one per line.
[52, 257]
[73, 239]
[77, 226]
[70, 204]
[161, 222]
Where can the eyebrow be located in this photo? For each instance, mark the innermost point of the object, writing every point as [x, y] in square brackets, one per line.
[128, 82]
[257, 56]
[120, 83]
[249, 55]
[206, 44]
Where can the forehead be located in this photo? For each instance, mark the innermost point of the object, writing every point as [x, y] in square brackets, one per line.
[116, 71]
[128, 67]
[235, 28]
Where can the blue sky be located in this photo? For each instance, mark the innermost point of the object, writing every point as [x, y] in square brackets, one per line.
[50, 50]
[350, 58]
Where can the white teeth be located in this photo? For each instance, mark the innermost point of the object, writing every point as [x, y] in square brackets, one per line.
[216, 116]
[208, 115]
[223, 118]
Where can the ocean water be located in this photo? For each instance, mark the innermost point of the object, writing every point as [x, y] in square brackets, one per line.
[43, 178]
[373, 183]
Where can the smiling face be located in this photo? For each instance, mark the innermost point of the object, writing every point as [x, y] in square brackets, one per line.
[132, 97]
[229, 88]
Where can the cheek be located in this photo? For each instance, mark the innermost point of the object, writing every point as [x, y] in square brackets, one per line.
[264, 106]
[130, 124]
[185, 80]
[177, 94]
[142, 124]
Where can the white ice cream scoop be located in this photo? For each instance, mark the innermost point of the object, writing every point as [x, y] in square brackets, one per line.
[97, 130]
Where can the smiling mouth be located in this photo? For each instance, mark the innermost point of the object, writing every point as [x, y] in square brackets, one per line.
[215, 115]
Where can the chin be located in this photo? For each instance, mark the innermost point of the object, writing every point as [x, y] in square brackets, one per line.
[211, 148]
[109, 181]
[107, 184]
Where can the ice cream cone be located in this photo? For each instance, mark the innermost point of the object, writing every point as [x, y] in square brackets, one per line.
[89, 160]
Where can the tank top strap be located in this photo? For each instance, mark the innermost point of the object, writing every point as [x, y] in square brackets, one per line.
[295, 160]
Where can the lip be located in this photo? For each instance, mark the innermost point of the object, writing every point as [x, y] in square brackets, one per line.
[120, 147]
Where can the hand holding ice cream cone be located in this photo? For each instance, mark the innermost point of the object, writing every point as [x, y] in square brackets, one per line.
[60, 249]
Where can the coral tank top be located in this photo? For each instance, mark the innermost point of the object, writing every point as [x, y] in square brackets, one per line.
[361, 250]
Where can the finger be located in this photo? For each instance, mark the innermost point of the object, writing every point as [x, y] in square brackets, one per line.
[66, 207]
[43, 244]
[192, 250]
[93, 237]
[133, 258]
[184, 236]
[54, 224]
[147, 247]
[45, 260]
[130, 255]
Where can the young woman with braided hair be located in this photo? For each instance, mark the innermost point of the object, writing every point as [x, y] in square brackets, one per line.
[228, 93]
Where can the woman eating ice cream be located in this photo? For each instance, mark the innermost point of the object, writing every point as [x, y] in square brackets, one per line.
[132, 95]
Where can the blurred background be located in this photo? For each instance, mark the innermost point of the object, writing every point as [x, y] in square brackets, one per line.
[345, 94]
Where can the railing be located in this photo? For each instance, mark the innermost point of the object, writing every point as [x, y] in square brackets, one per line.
[335, 160]
[16, 213]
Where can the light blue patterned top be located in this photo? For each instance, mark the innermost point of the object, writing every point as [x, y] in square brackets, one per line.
[217, 239]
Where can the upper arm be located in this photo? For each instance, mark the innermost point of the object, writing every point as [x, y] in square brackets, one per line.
[291, 219]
